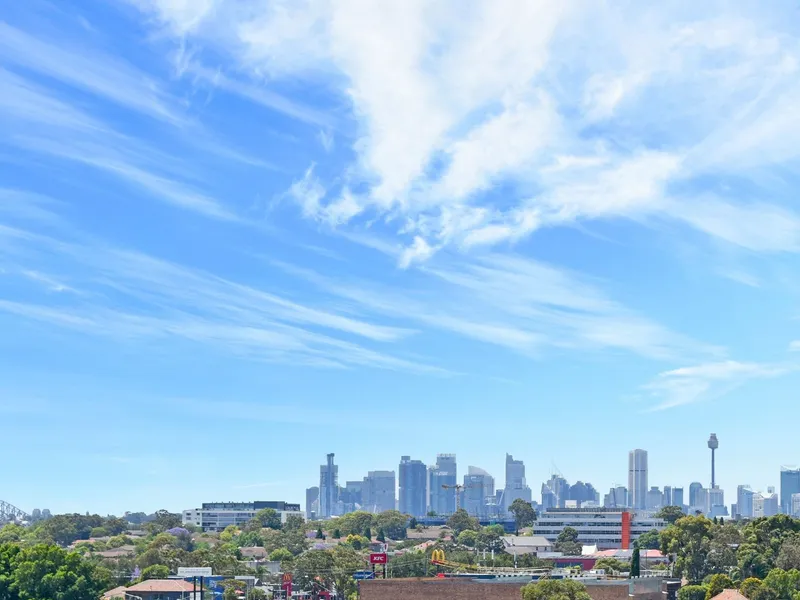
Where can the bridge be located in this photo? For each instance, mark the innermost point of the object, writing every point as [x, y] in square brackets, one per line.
[9, 512]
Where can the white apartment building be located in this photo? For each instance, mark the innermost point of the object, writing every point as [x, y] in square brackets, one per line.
[216, 516]
[601, 527]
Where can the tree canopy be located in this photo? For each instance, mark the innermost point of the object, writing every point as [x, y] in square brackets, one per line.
[524, 514]
[551, 589]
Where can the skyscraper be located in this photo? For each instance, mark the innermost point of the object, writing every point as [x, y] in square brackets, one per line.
[637, 478]
[413, 474]
[328, 488]
[667, 500]
[312, 503]
[694, 490]
[559, 487]
[478, 486]
[442, 500]
[677, 496]
[790, 484]
[378, 493]
[516, 486]
[744, 501]
[654, 499]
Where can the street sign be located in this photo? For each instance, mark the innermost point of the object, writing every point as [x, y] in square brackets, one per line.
[363, 575]
[194, 572]
[378, 558]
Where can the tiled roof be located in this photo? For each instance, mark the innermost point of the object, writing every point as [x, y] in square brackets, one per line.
[117, 592]
[730, 595]
[162, 585]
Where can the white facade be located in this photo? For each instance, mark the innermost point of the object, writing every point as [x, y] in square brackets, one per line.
[637, 478]
[218, 516]
[596, 526]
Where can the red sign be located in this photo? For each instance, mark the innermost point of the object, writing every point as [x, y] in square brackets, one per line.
[287, 584]
[378, 558]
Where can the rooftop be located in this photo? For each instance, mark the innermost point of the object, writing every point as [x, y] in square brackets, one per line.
[162, 585]
[729, 595]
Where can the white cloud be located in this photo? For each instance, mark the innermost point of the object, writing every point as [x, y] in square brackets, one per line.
[794, 346]
[688, 385]
[105, 76]
[182, 16]
[418, 251]
[461, 109]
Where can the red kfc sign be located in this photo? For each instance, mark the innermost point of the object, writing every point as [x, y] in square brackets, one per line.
[378, 558]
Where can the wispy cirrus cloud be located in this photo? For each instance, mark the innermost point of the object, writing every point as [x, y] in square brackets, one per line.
[687, 385]
[644, 120]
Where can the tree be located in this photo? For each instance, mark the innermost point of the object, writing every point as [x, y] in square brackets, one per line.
[689, 539]
[670, 514]
[394, 524]
[551, 589]
[337, 533]
[8, 553]
[468, 538]
[312, 565]
[635, 563]
[649, 540]
[567, 542]
[163, 520]
[612, 565]
[524, 514]
[412, 523]
[280, 555]
[488, 539]
[789, 554]
[155, 572]
[256, 594]
[692, 592]
[461, 521]
[294, 523]
[750, 587]
[346, 561]
[368, 533]
[12, 533]
[783, 584]
[718, 584]
[320, 535]
[269, 518]
[46, 571]
[381, 536]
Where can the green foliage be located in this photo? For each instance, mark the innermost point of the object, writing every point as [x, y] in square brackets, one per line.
[670, 514]
[692, 592]
[489, 539]
[649, 540]
[45, 571]
[356, 542]
[353, 523]
[346, 561]
[314, 563]
[762, 540]
[461, 521]
[320, 535]
[783, 584]
[280, 555]
[635, 563]
[155, 572]
[717, 584]
[368, 533]
[567, 542]
[789, 554]
[269, 518]
[11, 533]
[564, 589]
[337, 533]
[410, 564]
[256, 594]
[412, 523]
[468, 537]
[394, 524]
[612, 565]
[381, 536]
[690, 540]
[163, 520]
[524, 514]
[294, 523]
[750, 587]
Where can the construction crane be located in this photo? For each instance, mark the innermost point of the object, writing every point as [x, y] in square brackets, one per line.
[458, 488]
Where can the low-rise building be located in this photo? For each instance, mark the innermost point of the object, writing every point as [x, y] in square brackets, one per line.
[164, 589]
[526, 544]
[216, 516]
[601, 527]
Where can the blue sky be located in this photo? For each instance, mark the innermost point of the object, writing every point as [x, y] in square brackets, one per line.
[238, 235]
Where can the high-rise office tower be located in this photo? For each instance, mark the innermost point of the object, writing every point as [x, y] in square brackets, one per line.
[549, 499]
[667, 500]
[312, 503]
[790, 484]
[560, 489]
[654, 498]
[582, 493]
[378, 493]
[328, 488]
[744, 502]
[478, 486]
[516, 485]
[694, 490]
[677, 496]
[413, 486]
[637, 478]
[442, 480]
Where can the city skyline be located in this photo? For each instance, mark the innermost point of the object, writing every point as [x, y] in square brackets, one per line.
[230, 231]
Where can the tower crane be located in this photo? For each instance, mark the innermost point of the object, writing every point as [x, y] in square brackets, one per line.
[458, 488]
